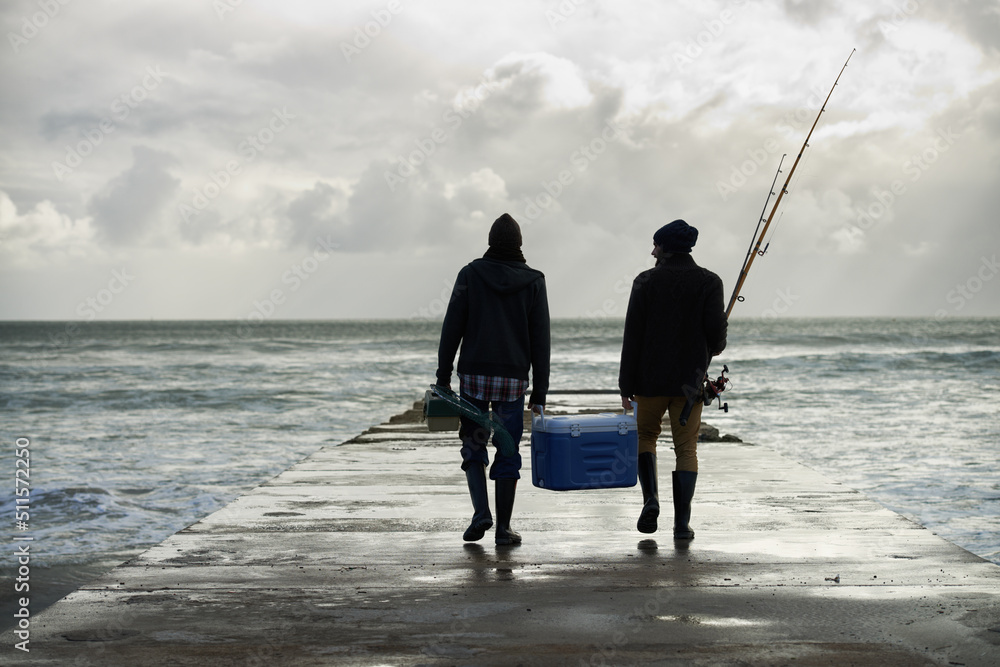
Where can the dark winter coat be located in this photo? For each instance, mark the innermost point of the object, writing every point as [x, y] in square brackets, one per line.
[499, 312]
[675, 322]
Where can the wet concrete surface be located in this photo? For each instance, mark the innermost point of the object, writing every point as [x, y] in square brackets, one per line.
[354, 556]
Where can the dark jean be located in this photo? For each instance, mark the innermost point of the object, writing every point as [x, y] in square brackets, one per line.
[475, 437]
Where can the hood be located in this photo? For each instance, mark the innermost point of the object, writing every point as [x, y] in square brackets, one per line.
[505, 277]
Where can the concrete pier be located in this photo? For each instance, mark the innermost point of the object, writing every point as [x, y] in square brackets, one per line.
[354, 556]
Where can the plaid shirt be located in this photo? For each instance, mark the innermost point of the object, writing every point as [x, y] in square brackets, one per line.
[492, 388]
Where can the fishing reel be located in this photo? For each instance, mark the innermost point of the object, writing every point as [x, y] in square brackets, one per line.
[713, 389]
[710, 391]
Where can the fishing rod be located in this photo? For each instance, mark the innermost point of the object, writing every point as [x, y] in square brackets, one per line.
[711, 390]
[759, 239]
[760, 220]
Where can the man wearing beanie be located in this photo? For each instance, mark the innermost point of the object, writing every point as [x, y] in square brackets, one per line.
[499, 313]
[675, 324]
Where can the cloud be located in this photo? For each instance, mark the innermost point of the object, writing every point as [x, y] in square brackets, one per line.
[313, 213]
[132, 203]
[40, 236]
[810, 13]
[542, 79]
[429, 209]
[592, 133]
[979, 20]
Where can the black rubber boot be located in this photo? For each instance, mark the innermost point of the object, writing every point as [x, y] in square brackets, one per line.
[684, 482]
[505, 507]
[650, 497]
[482, 520]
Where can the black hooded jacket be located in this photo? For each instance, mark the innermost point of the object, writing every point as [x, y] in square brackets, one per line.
[675, 322]
[499, 312]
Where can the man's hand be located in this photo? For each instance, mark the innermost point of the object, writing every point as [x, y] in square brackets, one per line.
[627, 402]
[537, 409]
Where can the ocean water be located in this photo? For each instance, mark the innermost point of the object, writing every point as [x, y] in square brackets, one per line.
[138, 429]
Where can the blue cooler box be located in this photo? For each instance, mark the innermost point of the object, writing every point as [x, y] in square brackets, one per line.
[584, 451]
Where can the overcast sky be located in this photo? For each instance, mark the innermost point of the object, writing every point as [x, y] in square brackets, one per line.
[212, 159]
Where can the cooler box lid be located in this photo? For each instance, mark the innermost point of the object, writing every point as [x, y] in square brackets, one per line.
[579, 424]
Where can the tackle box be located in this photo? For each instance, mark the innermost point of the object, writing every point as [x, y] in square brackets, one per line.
[439, 414]
[597, 451]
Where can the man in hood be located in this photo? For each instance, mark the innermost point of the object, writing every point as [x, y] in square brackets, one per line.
[675, 324]
[499, 313]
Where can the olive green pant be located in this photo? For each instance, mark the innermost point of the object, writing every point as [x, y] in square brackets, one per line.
[649, 419]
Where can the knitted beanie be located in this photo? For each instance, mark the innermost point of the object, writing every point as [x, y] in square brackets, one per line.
[677, 236]
[505, 232]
